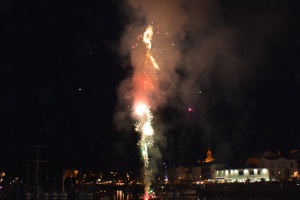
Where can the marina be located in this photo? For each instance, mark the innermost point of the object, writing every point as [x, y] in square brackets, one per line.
[134, 192]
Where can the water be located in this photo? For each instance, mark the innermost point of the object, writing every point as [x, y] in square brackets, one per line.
[120, 195]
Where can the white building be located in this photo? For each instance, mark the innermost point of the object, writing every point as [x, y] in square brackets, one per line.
[267, 166]
[279, 166]
[241, 175]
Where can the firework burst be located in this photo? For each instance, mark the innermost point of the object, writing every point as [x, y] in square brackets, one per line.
[146, 80]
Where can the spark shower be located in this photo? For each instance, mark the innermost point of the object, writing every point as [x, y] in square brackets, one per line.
[146, 81]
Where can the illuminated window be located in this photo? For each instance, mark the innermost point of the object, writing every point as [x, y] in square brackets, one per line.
[241, 173]
[251, 172]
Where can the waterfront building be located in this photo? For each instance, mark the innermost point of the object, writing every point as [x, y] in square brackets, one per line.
[242, 175]
[280, 166]
[181, 172]
[195, 174]
[266, 166]
[199, 171]
[207, 170]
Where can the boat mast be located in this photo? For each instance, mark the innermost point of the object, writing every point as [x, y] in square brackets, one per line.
[37, 161]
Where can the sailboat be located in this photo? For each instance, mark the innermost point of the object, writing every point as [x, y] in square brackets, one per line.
[37, 190]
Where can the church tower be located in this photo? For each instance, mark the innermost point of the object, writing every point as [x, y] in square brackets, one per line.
[209, 158]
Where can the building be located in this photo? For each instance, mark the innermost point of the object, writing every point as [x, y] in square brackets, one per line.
[242, 175]
[207, 170]
[180, 172]
[280, 167]
[196, 174]
[267, 166]
[201, 171]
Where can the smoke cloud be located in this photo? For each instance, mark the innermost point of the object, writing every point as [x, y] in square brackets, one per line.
[206, 60]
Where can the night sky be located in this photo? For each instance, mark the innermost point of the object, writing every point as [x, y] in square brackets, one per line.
[62, 66]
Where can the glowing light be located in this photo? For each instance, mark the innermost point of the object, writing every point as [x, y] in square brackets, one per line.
[141, 109]
[147, 129]
[155, 65]
[147, 37]
[190, 109]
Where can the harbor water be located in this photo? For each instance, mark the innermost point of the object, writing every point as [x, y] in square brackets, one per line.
[120, 195]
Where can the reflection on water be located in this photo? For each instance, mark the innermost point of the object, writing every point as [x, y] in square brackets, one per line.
[116, 195]
[120, 195]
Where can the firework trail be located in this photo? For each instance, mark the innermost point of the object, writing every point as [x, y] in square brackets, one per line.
[146, 79]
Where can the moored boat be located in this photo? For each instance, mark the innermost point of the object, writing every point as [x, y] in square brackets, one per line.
[189, 191]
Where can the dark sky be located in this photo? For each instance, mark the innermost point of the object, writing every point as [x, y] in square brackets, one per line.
[60, 70]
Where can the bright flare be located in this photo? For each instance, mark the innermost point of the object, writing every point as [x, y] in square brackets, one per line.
[141, 109]
[148, 37]
[147, 129]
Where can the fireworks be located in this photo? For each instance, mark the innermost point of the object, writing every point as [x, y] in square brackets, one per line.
[144, 127]
[142, 110]
[147, 37]
[145, 80]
